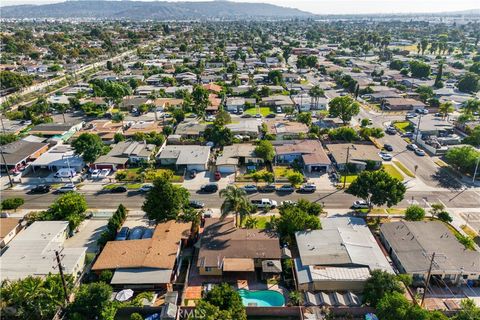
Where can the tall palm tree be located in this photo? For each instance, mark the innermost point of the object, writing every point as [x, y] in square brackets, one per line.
[446, 108]
[235, 201]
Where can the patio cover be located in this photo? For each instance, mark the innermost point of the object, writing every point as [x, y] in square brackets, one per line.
[238, 264]
[141, 276]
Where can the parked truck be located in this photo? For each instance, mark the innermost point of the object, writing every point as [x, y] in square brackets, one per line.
[263, 203]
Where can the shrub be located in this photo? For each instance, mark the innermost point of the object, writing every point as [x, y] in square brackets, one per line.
[106, 276]
[414, 213]
[136, 316]
[12, 203]
[444, 216]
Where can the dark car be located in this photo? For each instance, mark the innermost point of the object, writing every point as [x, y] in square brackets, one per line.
[388, 147]
[286, 188]
[119, 189]
[196, 204]
[42, 188]
[210, 188]
[271, 115]
[246, 115]
[391, 131]
[193, 174]
[267, 188]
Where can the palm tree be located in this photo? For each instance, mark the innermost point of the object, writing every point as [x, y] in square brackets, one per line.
[446, 108]
[235, 201]
[316, 92]
[471, 106]
[251, 222]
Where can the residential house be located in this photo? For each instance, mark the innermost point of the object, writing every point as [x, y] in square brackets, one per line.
[190, 129]
[214, 103]
[32, 252]
[402, 104]
[339, 257]
[9, 227]
[278, 101]
[307, 153]
[304, 102]
[412, 244]
[285, 129]
[151, 263]
[225, 249]
[57, 131]
[245, 127]
[163, 104]
[235, 104]
[130, 102]
[191, 157]
[359, 155]
[236, 155]
[14, 126]
[17, 154]
[142, 127]
[123, 153]
[105, 129]
[59, 157]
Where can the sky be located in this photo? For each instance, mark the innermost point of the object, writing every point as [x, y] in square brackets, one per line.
[343, 6]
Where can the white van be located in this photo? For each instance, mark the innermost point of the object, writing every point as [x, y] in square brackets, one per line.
[65, 173]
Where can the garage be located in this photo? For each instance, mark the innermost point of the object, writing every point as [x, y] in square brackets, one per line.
[226, 168]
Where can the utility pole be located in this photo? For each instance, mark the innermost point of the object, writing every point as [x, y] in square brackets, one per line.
[346, 168]
[418, 127]
[427, 282]
[62, 276]
[6, 167]
[475, 172]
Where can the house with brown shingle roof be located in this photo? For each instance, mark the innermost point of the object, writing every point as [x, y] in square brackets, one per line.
[309, 153]
[225, 249]
[145, 262]
[285, 129]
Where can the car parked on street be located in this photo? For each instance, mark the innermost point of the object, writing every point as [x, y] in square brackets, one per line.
[267, 188]
[308, 187]
[209, 188]
[68, 187]
[385, 156]
[419, 152]
[196, 204]
[122, 234]
[360, 204]
[146, 187]
[41, 188]
[250, 188]
[118, 189]
[388, 147]
[263, 203]
[412, 146]
[286, 188]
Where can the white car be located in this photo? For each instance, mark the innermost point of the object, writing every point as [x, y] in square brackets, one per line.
[104, 173]
[95, 174]
[146, 187]
[360, 204]
[308, 187]
[419, 152]
[385, 156]
[68, 187]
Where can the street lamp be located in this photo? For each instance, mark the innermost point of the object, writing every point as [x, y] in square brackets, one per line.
[475, 172]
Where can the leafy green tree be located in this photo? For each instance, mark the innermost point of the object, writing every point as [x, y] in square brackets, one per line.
[305, 118]
[219, 135]
[89, 146]
[295, 178]
[200, 99]
[444, 216]
[473, 138]
[343, 107]
[469, 311]
[425, 93]
[12, 203]
[463, 159]
[251, 223]
[343, 134]
[178, 114]
[312, 208]
[33, 298]
[6, 138]
[414, 213]
[419, 69]
[378, 285]
[226, 299]
[235, 200]
[265, 150]
[446, 108]
[14, 80]
[165, 200]
[393, 306]
[275, 77]
[438, 79]
[92, 301]
[222, 118]
[70, 206]
[396, 64]
[367, 132]
[470, 82]
[475, 68]
[377, 188]
[118, 137]
[293, 219]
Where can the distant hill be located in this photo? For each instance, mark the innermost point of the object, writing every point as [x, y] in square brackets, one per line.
[156, 10]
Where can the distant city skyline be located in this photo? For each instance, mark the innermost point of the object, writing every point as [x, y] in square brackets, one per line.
[341, 6]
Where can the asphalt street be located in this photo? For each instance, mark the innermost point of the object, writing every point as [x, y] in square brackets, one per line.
[331, 199]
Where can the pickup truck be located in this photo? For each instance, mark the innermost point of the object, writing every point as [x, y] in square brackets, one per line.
[262, 203]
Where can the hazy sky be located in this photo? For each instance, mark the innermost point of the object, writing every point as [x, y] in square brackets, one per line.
[344, 6]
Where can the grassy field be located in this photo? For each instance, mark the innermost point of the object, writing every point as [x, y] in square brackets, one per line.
[264, 111]
[404, 169]
[391, 170]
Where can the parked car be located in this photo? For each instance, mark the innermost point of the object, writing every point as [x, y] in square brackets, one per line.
[104, 173]
[407, 135]
[146, 187]
[118, 189]
[385, 156]
[388, 147]
[419, 152]
[122, 234]
[267, 188]
[391, 131]
[258, 115]
[308, 187]
[95, 174]
[68, 187]
[279, 110]
[287, 202]
[210, 188]
[196, 204]
[247, 115]
[41, 188]
[217, 175]
[65, 173]
[192, 115]
[412, 146]
[410, 115]
[286, 188]
[193, 174]
[271, 115]
[250, 188]
[360, 204]
[263, 203]
[421, 111]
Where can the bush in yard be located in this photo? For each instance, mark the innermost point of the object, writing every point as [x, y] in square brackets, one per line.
[414, 213]
[106, 276]
[295, 178]
[114, 223]
[136, 316]
[12, 203]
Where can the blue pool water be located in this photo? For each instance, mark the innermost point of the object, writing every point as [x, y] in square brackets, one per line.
[262, 298]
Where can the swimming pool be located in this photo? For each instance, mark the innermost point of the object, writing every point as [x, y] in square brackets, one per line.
[262, 298]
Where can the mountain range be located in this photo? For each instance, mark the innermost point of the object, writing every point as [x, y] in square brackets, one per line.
[154, 10]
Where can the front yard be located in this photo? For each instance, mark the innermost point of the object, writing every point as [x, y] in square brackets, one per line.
[403, 126]
[147, 175]
[264, 111]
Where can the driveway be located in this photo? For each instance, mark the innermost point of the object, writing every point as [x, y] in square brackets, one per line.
[87, 236]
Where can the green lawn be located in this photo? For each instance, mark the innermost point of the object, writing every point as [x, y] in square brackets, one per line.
[391, 170]
[402, 126]
[140, 174]
[350, 178]
[404, 169]
[261, 222]
[129, 186]
[264, 111]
